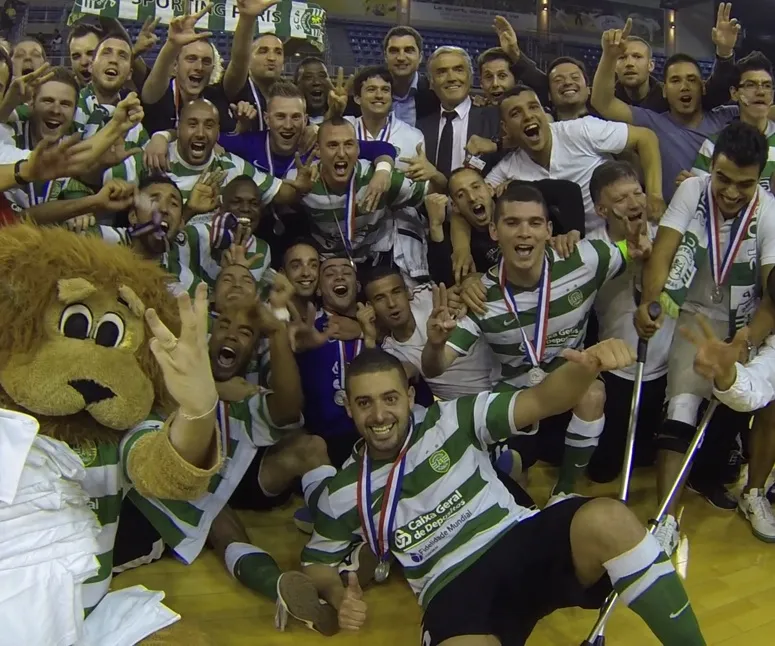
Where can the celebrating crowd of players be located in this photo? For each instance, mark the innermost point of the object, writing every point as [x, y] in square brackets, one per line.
[417, 293]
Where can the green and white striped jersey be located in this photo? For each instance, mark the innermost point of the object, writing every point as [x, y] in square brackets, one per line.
[451, 506]
[705, 157]
[106, 483]
[186, 175]
[91, 116]
[191, 258]
[327, 211]
[184, 525]
[575, 282]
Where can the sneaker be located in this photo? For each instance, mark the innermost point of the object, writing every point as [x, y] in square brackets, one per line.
[303, 520]
[297, 597]
[668, 534]
[559, 496]
[717, 495]
[757, 511]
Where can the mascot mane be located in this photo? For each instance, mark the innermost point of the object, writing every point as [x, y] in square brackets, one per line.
[32, 260]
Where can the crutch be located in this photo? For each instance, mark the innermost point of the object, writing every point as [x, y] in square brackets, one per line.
[596, 636]
[655, 310]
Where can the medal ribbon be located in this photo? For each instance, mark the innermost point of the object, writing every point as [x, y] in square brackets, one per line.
[536, 349]
[380, 542]
[258, 105]
[343, 360]
[222, 417]
[350, 199]
[31, 186]
[384, 134]
[719, 266]
[176, 100]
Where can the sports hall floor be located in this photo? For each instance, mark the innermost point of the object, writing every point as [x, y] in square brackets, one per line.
[730, 580]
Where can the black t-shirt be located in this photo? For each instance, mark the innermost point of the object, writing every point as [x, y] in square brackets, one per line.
[247, 94]
[163, 115]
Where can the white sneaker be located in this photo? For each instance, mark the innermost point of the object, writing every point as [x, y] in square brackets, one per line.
[668, 534]
[758, 511]
[554, 498]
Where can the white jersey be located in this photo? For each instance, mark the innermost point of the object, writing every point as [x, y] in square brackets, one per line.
[615, 309]
[469, 375]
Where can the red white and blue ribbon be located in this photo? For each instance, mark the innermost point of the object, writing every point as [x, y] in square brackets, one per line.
[222, 418]
[720, 266]
[350, 204]
[536, 349]
[363, 134]
[257, 99]
[379, 541]
[344, 360]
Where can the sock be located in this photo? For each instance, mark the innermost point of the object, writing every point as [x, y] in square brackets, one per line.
[581, 439]
[646, 581]
[312, 484]
[253, 568]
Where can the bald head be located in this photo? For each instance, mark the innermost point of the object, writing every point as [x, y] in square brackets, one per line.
[198, 130]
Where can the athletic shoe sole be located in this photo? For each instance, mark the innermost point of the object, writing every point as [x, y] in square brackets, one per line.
[297, 595]
[762, 537]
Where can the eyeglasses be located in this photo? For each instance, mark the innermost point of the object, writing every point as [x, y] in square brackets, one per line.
[755, 85]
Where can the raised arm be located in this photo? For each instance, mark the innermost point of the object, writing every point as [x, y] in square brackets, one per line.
[644, 142]
[525, 70]
[179, 34]
[115, 196]
[437, 356]
[564, 387]
[725, 34]
[604, 86]
[236, 74]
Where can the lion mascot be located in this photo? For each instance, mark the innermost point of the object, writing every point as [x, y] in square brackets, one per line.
[105, 385]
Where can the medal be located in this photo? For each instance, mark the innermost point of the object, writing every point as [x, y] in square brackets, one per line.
[720, 266]
[382, 571]
[379, 541]
[535, 376]
[537, 348]
[340, 395]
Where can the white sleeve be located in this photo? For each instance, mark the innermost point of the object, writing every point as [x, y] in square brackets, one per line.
[500, 173]
[11, 154]
[765, 230]
[754, 386]
[683, 206]
[604, 136]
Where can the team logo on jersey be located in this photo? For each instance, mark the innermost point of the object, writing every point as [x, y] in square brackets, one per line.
[683, 268]
[576, 298]
[402, 539]
[180, 238]
[439, 461]
[87, 451]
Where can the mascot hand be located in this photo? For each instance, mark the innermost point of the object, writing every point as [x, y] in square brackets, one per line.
[185, 361]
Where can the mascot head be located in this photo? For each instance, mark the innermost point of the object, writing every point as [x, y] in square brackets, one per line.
[73, 342]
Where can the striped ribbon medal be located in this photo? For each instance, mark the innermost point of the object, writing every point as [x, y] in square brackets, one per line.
[720, 266]
[350, 199]
[222, 418]
[380, 542]
[536, 349]
[339, 395]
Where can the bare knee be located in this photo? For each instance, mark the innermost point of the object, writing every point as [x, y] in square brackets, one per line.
[592, 404]
[302, 454]
[600, 530]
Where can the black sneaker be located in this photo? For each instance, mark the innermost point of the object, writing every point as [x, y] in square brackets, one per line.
[716, 494]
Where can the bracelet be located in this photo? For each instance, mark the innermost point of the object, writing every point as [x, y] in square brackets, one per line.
[625, 251]
[383, 165]
[17, 173]
[188, 418]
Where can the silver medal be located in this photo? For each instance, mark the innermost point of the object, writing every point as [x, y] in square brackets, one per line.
[339, 397]
[382, 571]
[535, 376]
[716, 295]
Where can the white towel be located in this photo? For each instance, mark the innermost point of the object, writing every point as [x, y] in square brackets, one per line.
[17, 433]
[125, 617]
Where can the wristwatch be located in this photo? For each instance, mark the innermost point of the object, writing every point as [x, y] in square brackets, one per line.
[17, 173]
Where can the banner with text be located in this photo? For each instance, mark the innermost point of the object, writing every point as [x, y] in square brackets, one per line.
[520, 13]
[577, 17]
[373, 10]
[289, 19]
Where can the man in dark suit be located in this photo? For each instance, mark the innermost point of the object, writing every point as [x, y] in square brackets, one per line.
[449, 129]
[413, 98]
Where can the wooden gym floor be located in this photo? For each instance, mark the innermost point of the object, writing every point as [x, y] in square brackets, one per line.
[730, 580]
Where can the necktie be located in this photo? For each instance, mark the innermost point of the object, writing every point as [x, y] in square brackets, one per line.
[444, 158]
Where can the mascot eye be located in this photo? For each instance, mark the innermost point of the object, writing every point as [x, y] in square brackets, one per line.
[110, 330]
[76, 321]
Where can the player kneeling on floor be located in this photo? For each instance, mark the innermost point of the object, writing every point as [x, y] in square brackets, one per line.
[421, 489]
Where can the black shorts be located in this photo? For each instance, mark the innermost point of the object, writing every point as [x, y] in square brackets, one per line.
[525, 576]
[250, 495]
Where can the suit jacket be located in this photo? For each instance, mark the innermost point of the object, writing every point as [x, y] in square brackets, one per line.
[485, 122]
